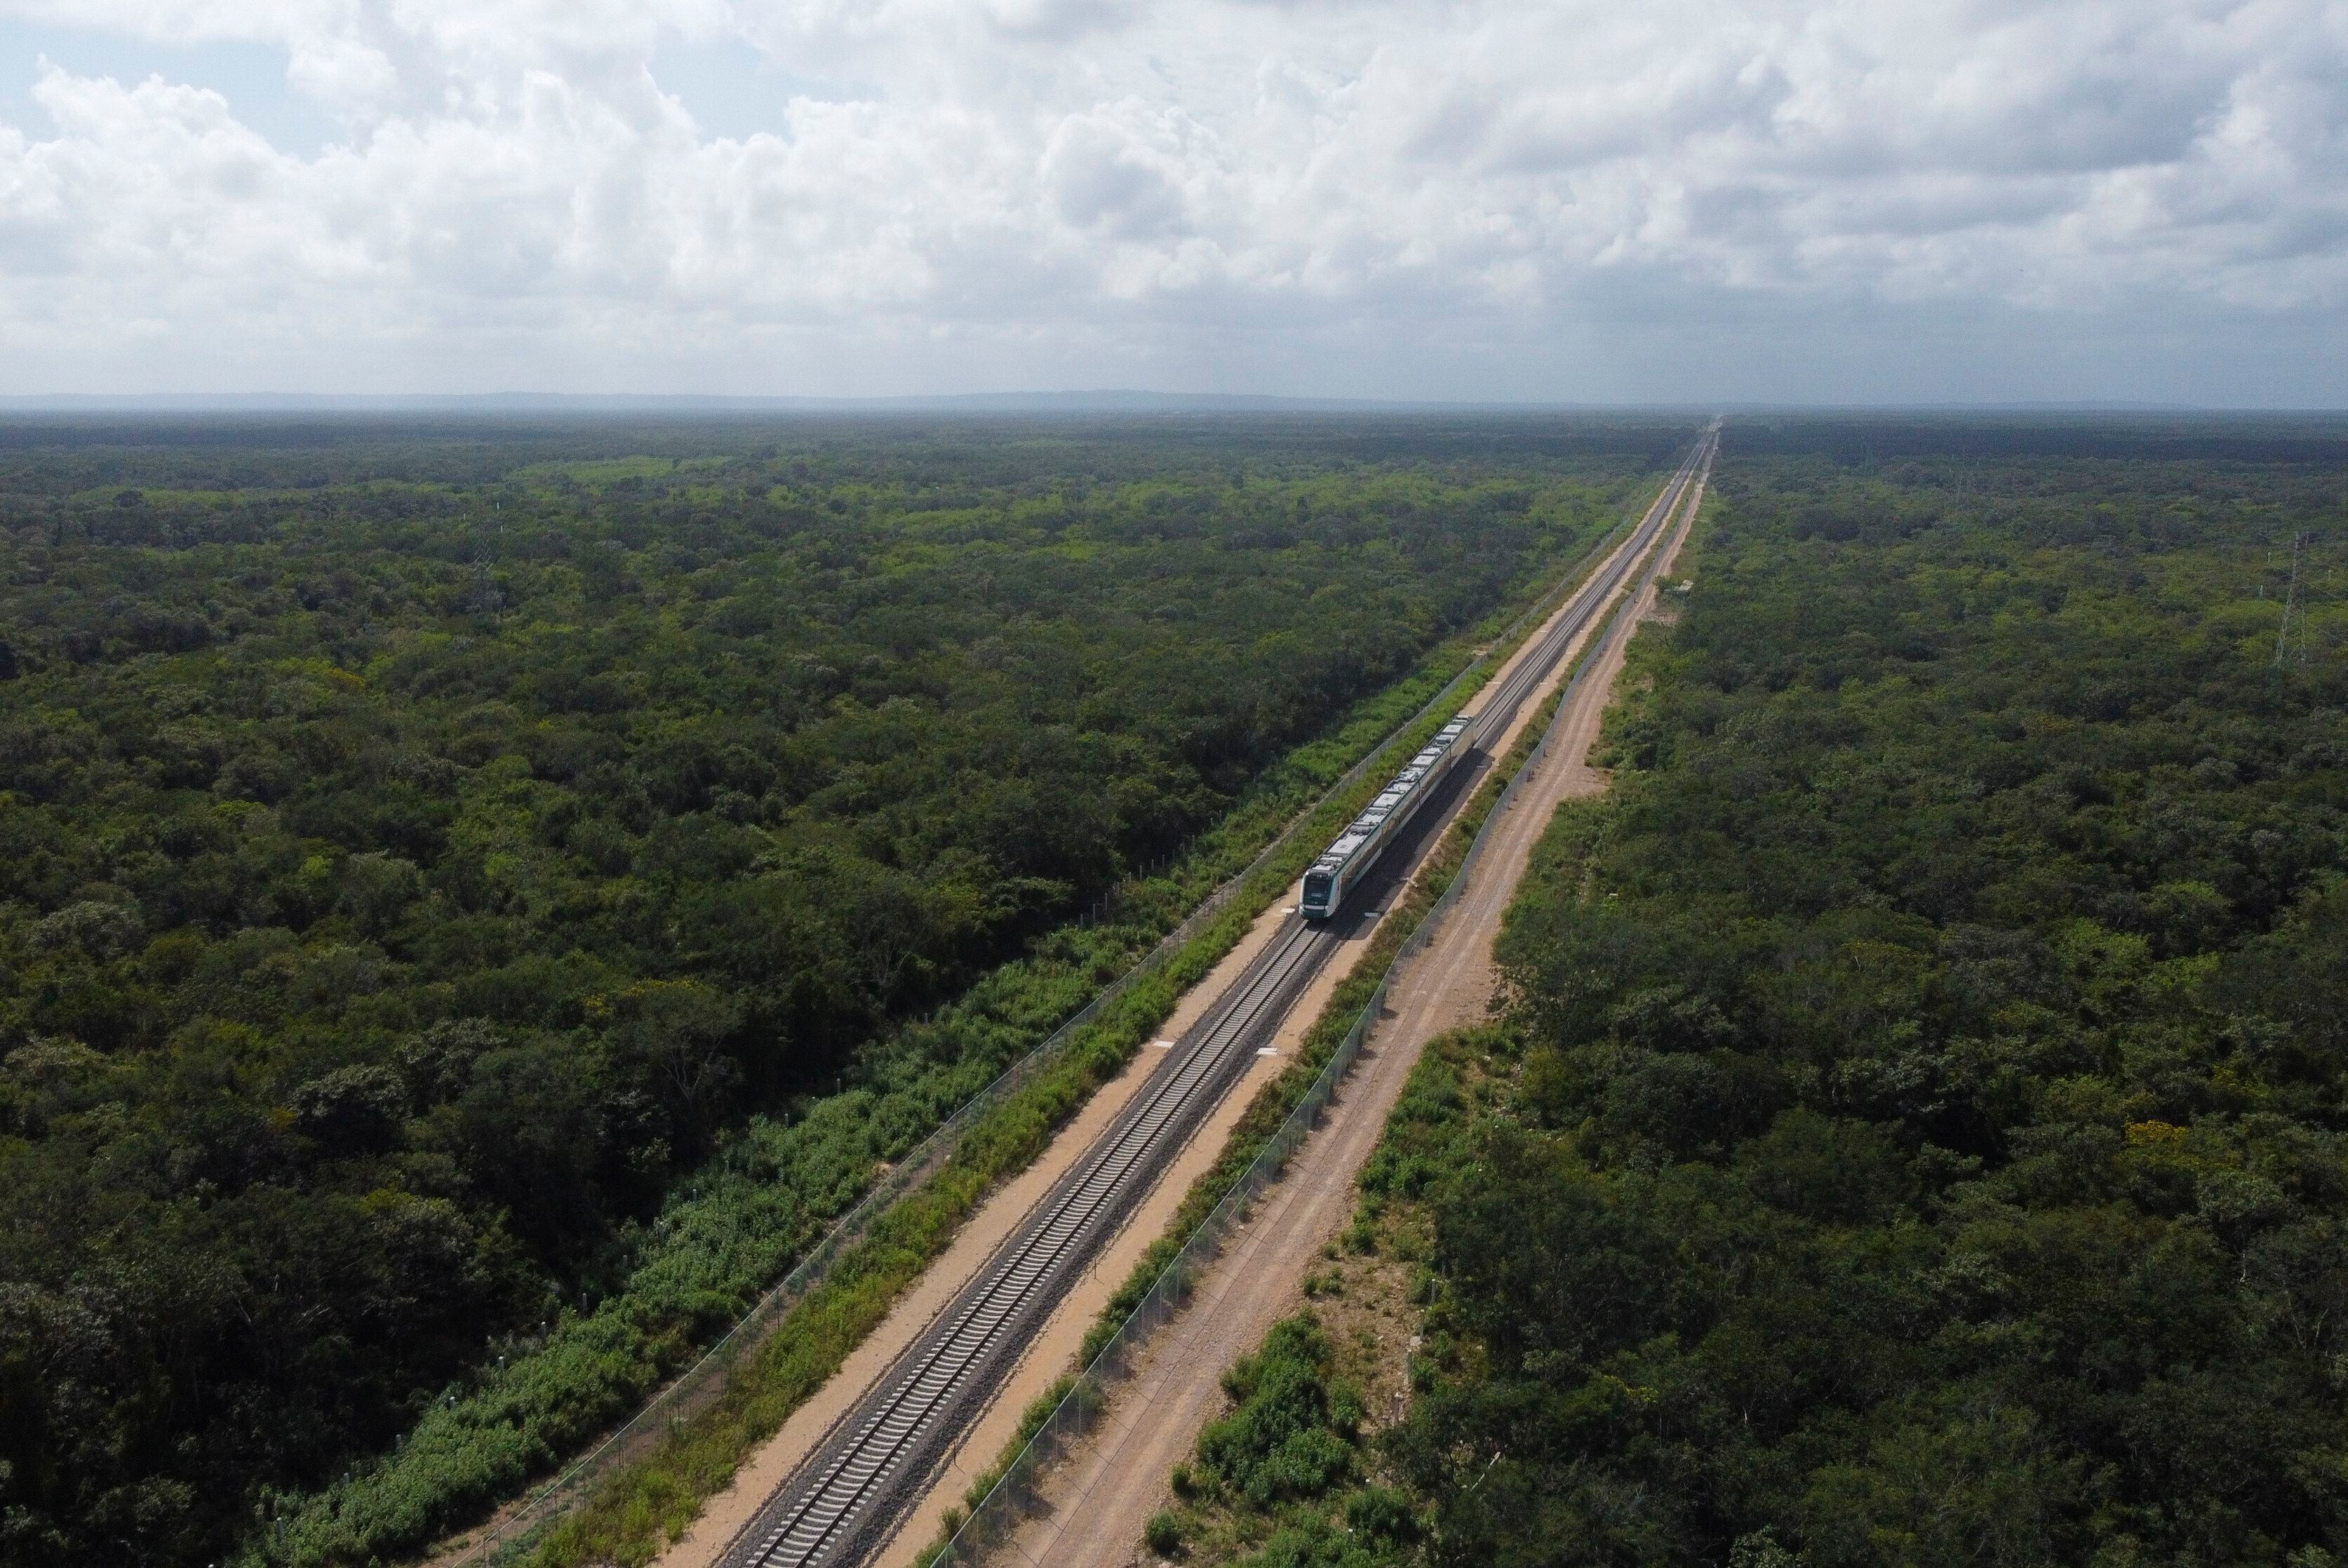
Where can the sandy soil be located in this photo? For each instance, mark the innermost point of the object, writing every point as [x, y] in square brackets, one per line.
[1097, 1499]
[1052, 1351]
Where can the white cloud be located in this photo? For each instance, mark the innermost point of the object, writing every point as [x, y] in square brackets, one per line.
[1095, 191]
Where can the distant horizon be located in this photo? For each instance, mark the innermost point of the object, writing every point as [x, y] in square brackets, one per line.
[1087, 400]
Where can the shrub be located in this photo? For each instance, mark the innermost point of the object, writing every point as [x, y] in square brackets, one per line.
[1163, 1534]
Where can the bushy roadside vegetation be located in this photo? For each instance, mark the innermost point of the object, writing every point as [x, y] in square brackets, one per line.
[1297, 1473]
[1278, 1477]
[422, 870]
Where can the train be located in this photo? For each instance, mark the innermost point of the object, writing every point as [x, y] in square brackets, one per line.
[1344, 862]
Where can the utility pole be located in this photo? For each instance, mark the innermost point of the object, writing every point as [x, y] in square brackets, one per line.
[2291, 599]
[487, 598]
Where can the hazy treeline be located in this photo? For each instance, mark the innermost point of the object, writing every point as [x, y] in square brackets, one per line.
[416, 853]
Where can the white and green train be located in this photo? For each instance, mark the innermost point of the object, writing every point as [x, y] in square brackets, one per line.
[1345, 862]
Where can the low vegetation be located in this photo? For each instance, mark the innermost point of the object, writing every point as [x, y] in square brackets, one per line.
[1301, 1472]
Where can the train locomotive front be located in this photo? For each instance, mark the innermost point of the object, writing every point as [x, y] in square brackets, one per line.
[1344, 864]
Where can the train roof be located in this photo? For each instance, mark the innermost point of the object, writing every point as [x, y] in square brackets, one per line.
[1398, 790]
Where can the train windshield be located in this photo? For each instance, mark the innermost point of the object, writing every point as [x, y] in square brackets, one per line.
[1316, 890]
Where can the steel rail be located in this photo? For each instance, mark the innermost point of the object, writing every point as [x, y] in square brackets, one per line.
[1060, 1231]
[890, 1439]
[1511, 691]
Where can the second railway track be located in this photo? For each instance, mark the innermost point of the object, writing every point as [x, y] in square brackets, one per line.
[838, 1506]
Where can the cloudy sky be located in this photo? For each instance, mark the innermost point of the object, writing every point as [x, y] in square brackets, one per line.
[1547, 200]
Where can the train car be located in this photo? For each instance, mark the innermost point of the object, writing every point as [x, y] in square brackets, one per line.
[1344, 864]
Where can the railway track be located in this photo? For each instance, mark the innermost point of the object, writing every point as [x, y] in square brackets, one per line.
[1501, 704]
[839, 1505]
[825, 1514]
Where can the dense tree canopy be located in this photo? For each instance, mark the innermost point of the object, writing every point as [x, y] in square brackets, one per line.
[418, 848]
[1927, 1140]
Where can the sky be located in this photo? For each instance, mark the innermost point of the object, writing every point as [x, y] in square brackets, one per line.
[1549, 200]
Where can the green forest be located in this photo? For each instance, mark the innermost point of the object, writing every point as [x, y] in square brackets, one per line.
[1918, 1131]
[474, 899]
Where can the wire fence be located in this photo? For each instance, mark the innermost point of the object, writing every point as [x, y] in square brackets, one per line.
[1015, 1497]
